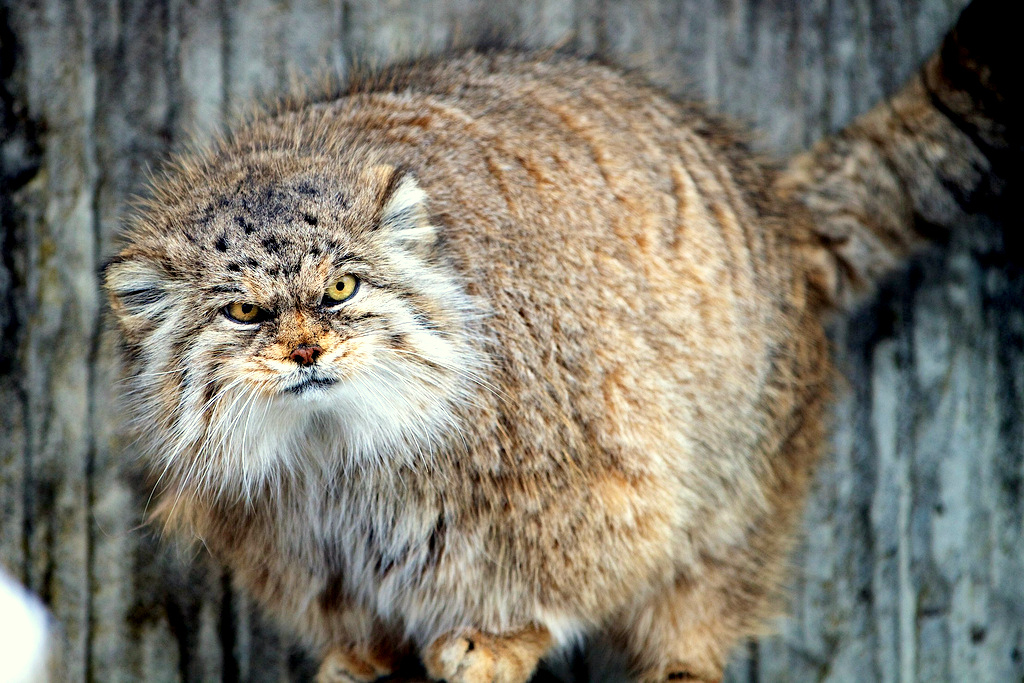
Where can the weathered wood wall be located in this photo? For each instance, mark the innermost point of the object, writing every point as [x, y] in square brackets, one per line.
[913, 563]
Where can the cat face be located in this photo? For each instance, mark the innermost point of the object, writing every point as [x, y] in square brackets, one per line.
[291, 322]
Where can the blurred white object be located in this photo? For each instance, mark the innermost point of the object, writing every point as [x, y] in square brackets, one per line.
[23, 629]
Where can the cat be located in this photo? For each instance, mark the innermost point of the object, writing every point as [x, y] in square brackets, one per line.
[496, 351]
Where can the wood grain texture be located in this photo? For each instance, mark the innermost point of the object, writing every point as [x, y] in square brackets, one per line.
[912, 566]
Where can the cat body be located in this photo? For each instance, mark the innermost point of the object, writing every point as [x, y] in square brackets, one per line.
[576, 387]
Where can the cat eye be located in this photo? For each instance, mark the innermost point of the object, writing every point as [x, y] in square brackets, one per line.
[341, 290]
[244, 313]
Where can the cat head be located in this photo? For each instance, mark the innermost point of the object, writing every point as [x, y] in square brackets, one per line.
[277, 315]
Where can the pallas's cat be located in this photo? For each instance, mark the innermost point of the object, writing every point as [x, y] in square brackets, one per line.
[493, 352]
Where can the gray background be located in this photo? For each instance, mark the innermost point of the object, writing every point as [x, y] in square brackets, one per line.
[912, 563]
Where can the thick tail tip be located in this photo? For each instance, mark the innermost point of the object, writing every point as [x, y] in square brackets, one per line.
[975, 79]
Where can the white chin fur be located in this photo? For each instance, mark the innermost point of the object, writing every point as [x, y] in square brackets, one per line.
[382, 417]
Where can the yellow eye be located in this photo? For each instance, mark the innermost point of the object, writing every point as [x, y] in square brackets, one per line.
[243, 313]
[341, 290]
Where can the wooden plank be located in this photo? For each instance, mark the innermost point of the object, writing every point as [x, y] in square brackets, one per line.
[271, 44]
[198, 56]
[62, 316]
[135, 114]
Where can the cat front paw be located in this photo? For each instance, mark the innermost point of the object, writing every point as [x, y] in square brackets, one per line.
[475, 657]
[676, 674]
[356, 665]
[460, 659]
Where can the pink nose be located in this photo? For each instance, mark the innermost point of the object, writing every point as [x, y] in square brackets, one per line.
[306, 354]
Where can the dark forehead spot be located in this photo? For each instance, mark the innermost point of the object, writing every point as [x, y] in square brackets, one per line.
[225, 289]
[310, 219]
[246, 181]
[315, 251]
[244, 224]
[273, 203]
[222, 243]
[251, 262]
[264, 204]
[234, 267]
[271, 244]
[206, 215]
[307, 188]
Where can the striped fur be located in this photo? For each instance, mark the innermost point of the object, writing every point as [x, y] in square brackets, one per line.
[917, 165]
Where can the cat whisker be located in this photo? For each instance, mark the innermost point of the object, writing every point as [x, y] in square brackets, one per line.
[461, 372]
[133, 379]
[173, 457]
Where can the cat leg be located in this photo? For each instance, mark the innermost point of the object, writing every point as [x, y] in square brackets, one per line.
[358, 663]
[687, 632]
[475, 657]
[360, 650]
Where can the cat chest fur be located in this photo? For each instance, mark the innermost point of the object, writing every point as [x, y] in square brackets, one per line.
[394, 553]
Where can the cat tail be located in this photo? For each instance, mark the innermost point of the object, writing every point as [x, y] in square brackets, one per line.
[908, 171]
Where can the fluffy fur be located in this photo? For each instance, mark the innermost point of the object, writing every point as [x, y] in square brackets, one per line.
[579, 389]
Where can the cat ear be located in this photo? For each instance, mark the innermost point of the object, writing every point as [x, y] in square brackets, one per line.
[402, 205]
[136, 287]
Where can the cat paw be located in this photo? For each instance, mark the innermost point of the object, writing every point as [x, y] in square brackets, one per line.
[463, 659]
[674, 674]
[687, 676]
[355, 665]
[474, 657]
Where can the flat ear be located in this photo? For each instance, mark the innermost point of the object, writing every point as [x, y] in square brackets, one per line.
[137, 289]
[402, 205]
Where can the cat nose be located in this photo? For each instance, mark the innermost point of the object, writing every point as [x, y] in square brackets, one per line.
[306, 354]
